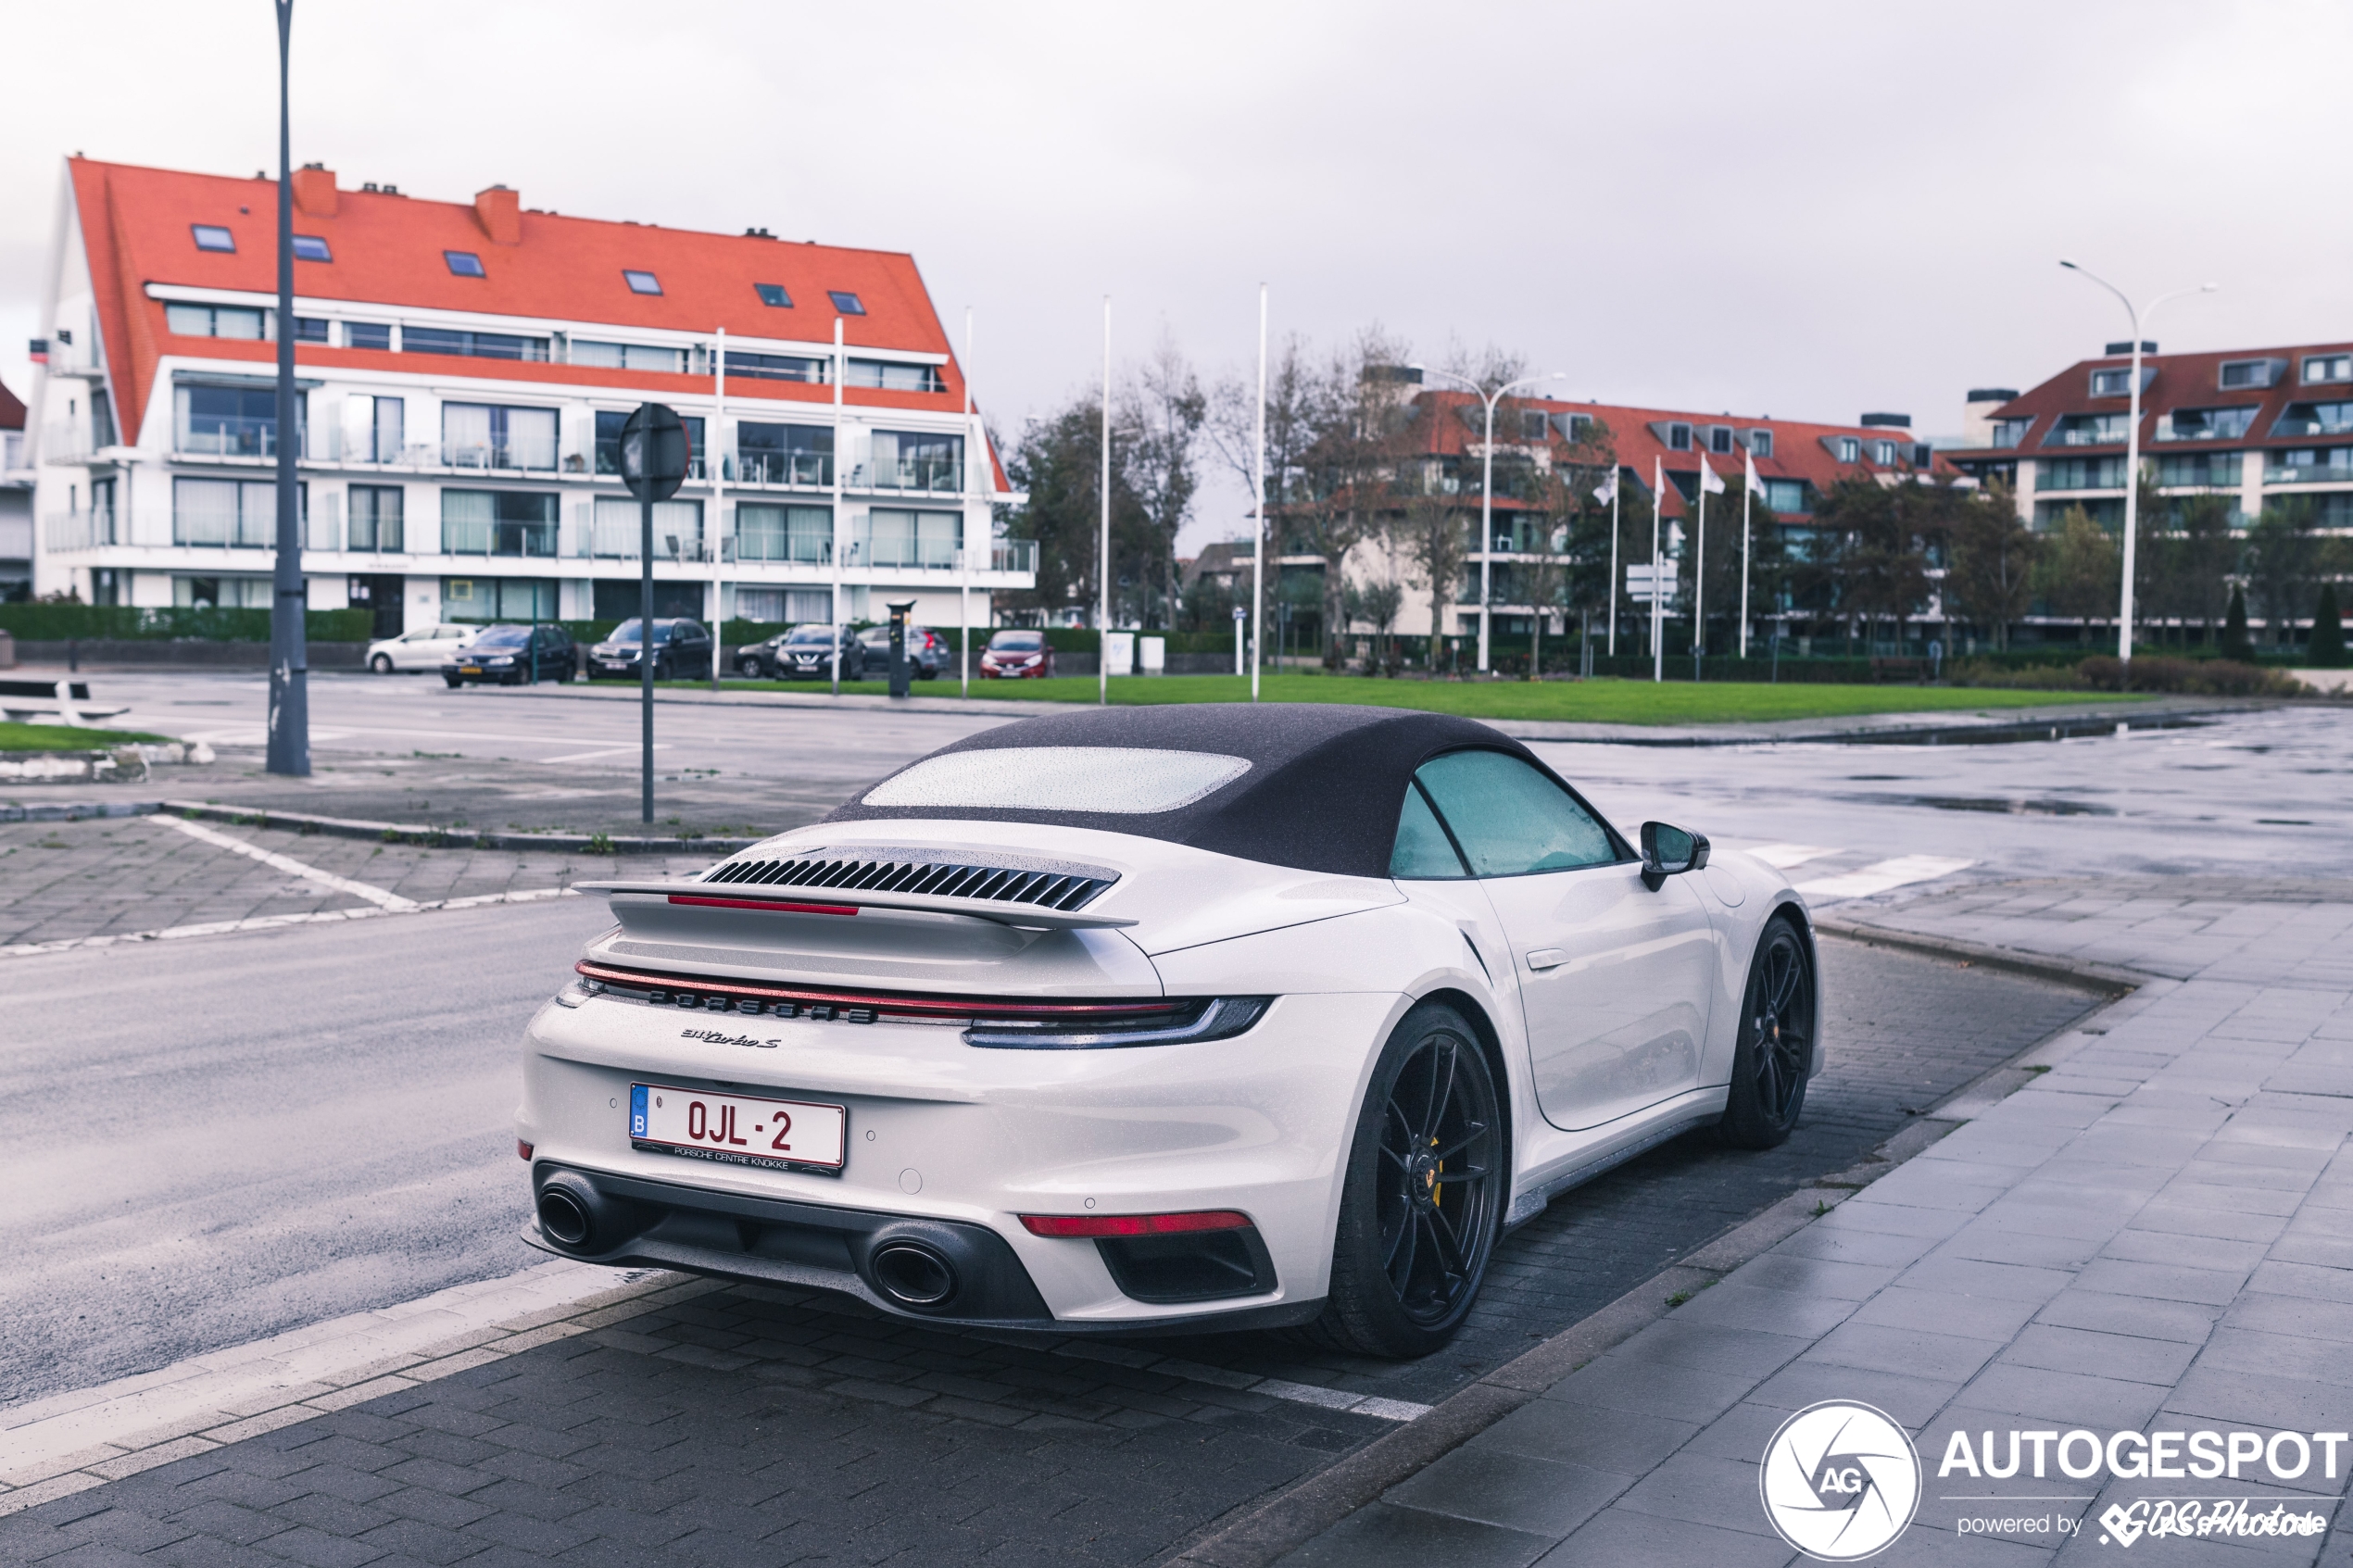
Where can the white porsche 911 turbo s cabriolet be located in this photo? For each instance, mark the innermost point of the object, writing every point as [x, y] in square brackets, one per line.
[1163, 1019]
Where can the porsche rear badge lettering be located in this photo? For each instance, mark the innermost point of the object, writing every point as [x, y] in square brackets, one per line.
[718, 1038]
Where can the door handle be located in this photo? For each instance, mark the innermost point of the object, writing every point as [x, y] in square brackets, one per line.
[1546, 957]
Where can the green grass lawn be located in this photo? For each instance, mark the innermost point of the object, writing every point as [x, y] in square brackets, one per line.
[64, 737]
[1597, 702]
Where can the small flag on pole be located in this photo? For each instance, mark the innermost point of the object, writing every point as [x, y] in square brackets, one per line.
[1754, 484]
[1710, 482]
[1606, 491]
[38, 351]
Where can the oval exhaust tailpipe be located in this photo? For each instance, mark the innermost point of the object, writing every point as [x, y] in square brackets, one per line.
[912, 1273]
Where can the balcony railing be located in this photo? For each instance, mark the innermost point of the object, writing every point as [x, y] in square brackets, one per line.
[1012, 554]
[520, 452]
[813, 469]
[2308, 473]
[222, 529]
[934, 476]
[924, 554]
[464, 537]
[2086, 435]
[774, 545]
[80, 531]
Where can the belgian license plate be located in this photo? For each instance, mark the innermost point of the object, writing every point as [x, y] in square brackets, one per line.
[775, 1135]
[470, 670]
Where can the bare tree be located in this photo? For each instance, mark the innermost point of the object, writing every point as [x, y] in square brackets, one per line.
[1347, 492]
[1296, 399]
[1160, 412]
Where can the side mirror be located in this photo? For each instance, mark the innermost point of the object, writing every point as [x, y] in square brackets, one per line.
[1671, 851]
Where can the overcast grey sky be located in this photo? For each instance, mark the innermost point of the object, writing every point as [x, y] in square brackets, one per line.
[1801, 209]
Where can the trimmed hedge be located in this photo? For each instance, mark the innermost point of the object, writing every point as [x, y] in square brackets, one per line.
[53, 623]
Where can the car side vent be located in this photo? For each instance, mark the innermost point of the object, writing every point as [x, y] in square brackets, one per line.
[1001, 884]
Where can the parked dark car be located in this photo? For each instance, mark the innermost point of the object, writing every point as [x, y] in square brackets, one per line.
[682, 651]
[803, 652]
[510, 654]
[928, 651]
[1016, 655]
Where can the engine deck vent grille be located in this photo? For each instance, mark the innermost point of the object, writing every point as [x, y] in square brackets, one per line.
[1001, 884]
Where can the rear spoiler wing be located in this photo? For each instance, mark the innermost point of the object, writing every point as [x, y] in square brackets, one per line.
[850, 901]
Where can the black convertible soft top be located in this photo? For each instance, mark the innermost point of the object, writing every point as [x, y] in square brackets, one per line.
[1323, 793]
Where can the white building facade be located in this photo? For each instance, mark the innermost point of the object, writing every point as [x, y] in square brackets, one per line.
[463, 373]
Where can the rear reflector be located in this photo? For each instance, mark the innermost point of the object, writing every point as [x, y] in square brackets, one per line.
[771, 905]
[1134, 1225]
[523, 1149]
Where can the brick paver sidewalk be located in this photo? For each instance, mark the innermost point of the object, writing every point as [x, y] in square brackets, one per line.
[2156, 1236]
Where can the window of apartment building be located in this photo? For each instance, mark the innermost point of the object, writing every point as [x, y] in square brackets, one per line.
[2308, 465]
[2205, 471]
[629, 357]
[500, 598]
[845, 302]
[1850, 449]
[768, 454]
[776, 606]
[310, 247]
[1578, 428]
[367, 334]
[1923, 455]
[374, 429]
[229, 420]
[640, 282]
[775, 367]
[1719, 439]
[2314, 418]
[1883, 454]
[230, 512]
[2206, 424]
[1786, 496]
[2088, 429]
[891, 537]
[773, 296]
[215, 320]
[212, 236]
[463, 264]
[497, 522]
[905, 459]
[489, 435]
[1760, 443]
[2080, 473]
[2010, 432]
[891, 375]
[608, 425]
[220, 592]
[376, 512]
[616, 528]
[1678, 437]
[2236, 374]
[470, 344]
[2116, 381]
[2323, 369]
[765, 532]
[102, 431]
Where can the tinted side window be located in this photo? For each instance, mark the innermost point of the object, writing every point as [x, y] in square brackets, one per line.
[1510, 819]
[1422, 849]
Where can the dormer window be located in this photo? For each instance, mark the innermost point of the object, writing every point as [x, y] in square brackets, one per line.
[2246, 374]
[2321, 370]
[1719, 439]
[310, 247]
[640, 282]
[773, 296]
[1923, 455]
[1533, 426]
[845, 302]
[1850, 448]
[2010, 432]
[212, 236]
[1760, 443]
[1678, 437]
[463, 264]
[1883, 454]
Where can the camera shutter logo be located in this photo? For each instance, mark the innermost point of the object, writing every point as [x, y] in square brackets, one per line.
[1839, 1481]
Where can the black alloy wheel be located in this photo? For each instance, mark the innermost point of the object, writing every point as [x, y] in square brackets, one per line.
[1421, 1203]
[1776, 1041]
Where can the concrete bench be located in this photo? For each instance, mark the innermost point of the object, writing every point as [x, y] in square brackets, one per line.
[60, 702]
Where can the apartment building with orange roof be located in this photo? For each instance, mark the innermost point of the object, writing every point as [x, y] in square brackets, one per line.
[463, 370]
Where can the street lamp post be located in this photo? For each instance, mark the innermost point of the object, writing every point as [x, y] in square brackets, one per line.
[289, 730]
[655, 455]
[1487, 490]
[2138, 316]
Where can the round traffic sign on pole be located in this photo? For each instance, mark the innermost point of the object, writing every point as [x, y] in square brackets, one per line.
[655, 455]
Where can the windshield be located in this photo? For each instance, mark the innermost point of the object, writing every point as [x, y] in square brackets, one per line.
[627, 632]
[1018, 641]
[803, 637]
[502, 637]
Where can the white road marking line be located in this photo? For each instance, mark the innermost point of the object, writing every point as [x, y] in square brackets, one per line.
[606, 751]
[1784, 856]
[382, 897]
[1879, 878]
[271, 923]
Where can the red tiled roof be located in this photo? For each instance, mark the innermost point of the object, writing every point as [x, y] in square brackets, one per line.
[1798, 449]
[2182, 381]
[11, 409]
[387, 250]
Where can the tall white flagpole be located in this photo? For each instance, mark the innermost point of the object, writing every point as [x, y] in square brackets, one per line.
[1748, 496]
[972, 473]
[1612, 560]
[1699, 582]
[1102, 579]
[714, 454]
[838, 454]
[1258, 509]
[1658, 641]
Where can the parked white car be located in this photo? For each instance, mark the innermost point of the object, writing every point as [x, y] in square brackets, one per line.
[420, 647]
[1163, 1019]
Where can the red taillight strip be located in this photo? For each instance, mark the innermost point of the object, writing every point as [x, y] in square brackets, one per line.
[768, 904]
[1134, 1225]
[954, 1007]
